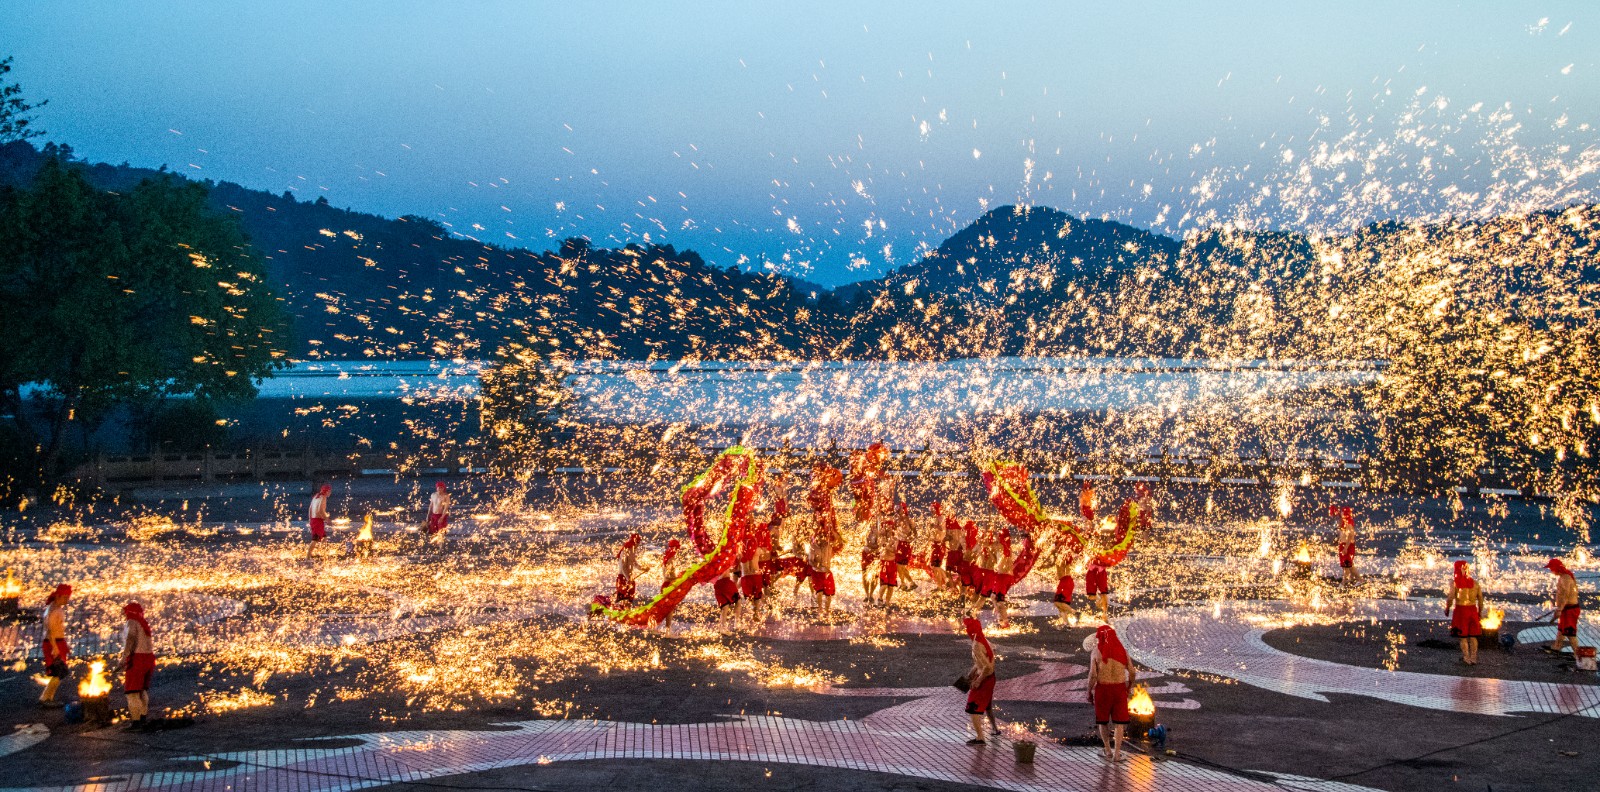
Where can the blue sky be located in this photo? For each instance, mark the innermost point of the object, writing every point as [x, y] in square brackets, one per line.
[832, 139]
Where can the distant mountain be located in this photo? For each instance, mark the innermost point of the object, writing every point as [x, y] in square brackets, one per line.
[1024, 243]
[1017, 281]
[359, 285]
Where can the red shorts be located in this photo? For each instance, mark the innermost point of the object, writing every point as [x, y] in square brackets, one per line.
[437, 522]
[1111, 702]
[902, 553]
[137, 677]
[1347, 555]
[1096, 581]
[727, 592]
[981, 696]
[750, 586]
[822, 582]
[1464, 622]
[1064, 588]
[867, 557]
[319, 529]
[888, 573]
[54, 651]
[626, 591]
[957, 561]
[1568, 623]
[936, 556]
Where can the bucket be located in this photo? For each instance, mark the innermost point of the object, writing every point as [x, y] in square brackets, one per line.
[1586, 659]
[1024, 751]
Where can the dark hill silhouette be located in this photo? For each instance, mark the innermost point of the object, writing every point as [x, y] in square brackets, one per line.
[1017, 281]
[359, 285]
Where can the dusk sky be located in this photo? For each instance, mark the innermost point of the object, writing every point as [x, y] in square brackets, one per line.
[832, 139]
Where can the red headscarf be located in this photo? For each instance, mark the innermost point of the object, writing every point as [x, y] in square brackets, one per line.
[1557, 567]
[672, 550]
[971, 531]
[1110, 645]
[629, 543]
[975, 632]
[135, 613]
[62, 591]
[438, 485]
[938, 508]
[326, 488]
[1463, 580]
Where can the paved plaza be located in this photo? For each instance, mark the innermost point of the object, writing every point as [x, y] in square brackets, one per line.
[476, 668]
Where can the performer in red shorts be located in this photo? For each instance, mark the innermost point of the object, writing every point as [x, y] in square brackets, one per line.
[438, 510]
[54, 649]
[1086, 500]
[980, 680]
[1097, 586]
[1346, 542]
[1566, 606]
[888, 574]
[752, 583]
[317, 519]
[822, 587]
[138, 664]
[1463, 602]
[1111, 675]
[628, 568]
[728, 607]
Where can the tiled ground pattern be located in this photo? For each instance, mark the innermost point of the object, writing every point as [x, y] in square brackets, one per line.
[1195, 638]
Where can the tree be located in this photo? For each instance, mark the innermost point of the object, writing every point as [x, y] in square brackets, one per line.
[16, 114]
[520, 397]
[123, 299]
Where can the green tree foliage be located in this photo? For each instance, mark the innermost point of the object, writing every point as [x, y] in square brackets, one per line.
[16, 114]
[118, 298]
[520, 398]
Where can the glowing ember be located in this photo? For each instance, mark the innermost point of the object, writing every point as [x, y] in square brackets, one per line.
[366, 530]
[1139, 703]
[1303, 554]
[12, 587]
[95, 685]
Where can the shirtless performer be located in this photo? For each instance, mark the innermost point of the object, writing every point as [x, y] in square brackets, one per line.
[1346, 543]
[1111, 676]
[822, 587]
[54, 649]
[1463, 603]
[752, 583]
[728, 607]
[980, 680]
[869, 570]
[1566, 607]
[1064, 589]
[628, 569]
[317, 519]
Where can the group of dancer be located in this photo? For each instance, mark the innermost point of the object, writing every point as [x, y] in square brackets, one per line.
[433, 527]
[1465, 606]
[956, 559]
[138, 659]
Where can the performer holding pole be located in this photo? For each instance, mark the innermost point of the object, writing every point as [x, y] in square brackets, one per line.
[628, 568]
[1566, 607]
[1463, 602]
[55, 649]
[138, 664]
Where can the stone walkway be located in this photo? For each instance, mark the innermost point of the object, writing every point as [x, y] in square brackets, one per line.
[1226, 640]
